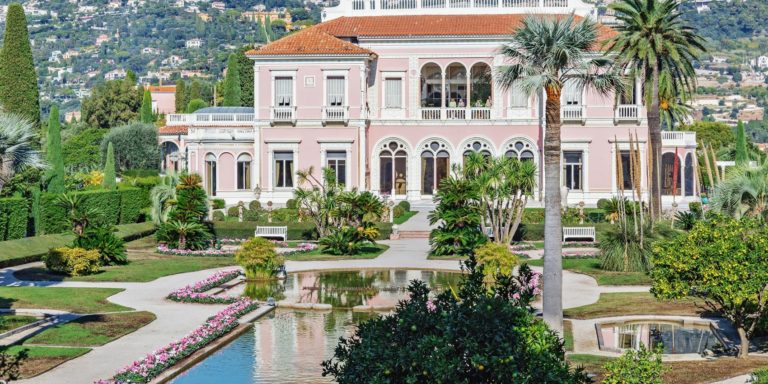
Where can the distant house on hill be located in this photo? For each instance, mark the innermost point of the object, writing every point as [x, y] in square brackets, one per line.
[116, 74]
[163, 98]
[193, 43]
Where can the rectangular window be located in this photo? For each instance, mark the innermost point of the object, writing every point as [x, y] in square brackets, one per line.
[393, 93]
[518, 98]
[243, 175]
[335, 91]
[283, 169]
[337, 160]
[573, 169]
[283, 91]
[626, 171]
[571, 94]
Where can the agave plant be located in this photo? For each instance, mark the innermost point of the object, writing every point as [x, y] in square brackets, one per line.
[17, 147]
[163, 197]
[744, 193]
[686, 220]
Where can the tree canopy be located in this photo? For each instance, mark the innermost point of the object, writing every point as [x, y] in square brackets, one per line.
[135, 146]
[111, 104]
[18, 80]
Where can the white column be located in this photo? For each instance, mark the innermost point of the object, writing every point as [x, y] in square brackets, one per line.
[362, 153]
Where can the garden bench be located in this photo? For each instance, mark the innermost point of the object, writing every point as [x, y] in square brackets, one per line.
[579, 233]
[281, 232]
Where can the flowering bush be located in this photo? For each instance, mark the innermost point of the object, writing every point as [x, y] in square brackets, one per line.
[164, 249]
[259, 259]
[144, 370]
[195, 293]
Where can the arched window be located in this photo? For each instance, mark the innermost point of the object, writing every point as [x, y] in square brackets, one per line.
[689, 182]
[521, 150]
[480, 92]
[170, 153]
[456, 86]
[210, 174]
[435, 163]
[431, 84]
[393, 168]
[478, 146]
[244, 171]
[670, 174]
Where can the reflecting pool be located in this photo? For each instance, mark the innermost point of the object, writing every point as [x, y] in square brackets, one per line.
[675, 337]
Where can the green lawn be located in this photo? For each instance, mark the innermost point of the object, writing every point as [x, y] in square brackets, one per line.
[78, 300]
[368, 252]
[42, 359]
[404, 217]
[567, 335]
[633, 303]
[11, 322]
[94, 330]
[591, 266]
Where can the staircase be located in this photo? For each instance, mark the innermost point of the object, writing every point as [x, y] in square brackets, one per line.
[414, 234]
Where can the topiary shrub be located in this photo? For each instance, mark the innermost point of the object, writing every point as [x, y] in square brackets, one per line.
[111, 248]
[232, 211]
[254, 215]
[259, 258]
[133, 201]
[603, 203]
[405, 205]
[218, 203]
[398, 211]
[73, 261]
[14, 214]
[285, 215]
[219, 216]
[254, 204]
[291, 204]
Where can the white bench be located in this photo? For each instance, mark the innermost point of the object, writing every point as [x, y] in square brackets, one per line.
[579, 233]
[281, 232]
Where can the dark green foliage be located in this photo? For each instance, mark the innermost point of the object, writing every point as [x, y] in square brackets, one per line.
[233, 212]
[254, 205]
[110, 178]
[218, 203]
[348, 240]
[102, 238]
[296, 231]
[135, 146]
[479, 334]
[219, 216]
[624, 251]
[114, 207]
[13, 218]
[35, 213]
[133, 202]
[18, 79]
[457, 211]
[686, 220]
[82, 150]
[180, 98]
[196, 236]
[111, 104]
[195, 92]
[196, 104]
[232, 91]
[405, 205]
[398, 211]
[55, 176]
[742, 156]
[142, 173]
[696, 208]
[187, 226]
[245, 65]
[291, 204]
[191, 205]
[146, 115]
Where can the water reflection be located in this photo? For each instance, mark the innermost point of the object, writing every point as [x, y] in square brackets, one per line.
[675, 337]
[348, 288]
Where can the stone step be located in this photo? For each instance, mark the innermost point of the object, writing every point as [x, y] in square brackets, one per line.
[414, 234]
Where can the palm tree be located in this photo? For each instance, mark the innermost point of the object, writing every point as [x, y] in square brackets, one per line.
[163, 197]
[17, 151]
[547, 52]
[655, 45]
[744, 193]
[184, 230]
[78, 213]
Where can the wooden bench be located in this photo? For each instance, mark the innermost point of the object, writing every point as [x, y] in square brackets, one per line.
[579, 233]
[281, 232]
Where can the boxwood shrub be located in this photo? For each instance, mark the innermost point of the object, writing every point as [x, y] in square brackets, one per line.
[132, 203]
[14, 213]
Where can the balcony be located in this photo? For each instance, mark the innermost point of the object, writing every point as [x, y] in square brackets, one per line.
[335, 114]
[283, 114]
[572, 113]
[678, 139]
[627, 113]
[210, 119]
[455, 113]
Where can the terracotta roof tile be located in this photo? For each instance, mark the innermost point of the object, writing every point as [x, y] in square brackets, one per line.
[324, 38]
[173, 130]
[162, 88]
[310, 41]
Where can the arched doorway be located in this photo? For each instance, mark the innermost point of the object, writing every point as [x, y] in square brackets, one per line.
[170, 156]
[670, 174]
[393, 169]
[689, 175]
[435, 165]
[431, 86]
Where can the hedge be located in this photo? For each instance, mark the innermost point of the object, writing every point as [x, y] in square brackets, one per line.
[536, 215]
[123, 206]
[296, 231]
[535, 232]
[14, 214]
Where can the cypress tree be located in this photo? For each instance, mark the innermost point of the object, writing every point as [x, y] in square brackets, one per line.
[246, 77]
[741, 145]
[18, 81]
[195, 91]
[268, 29]
[53, 155]
[262, 33]
[180, 97]
[232, 83]
[146, 108]
[110, 179]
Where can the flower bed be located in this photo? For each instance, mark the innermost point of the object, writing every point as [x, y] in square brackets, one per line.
[195, 293]
[301, 248]
[153, 364]
[164, 249]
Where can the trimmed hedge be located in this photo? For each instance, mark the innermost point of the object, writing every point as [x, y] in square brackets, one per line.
[296, 231]
[535, 232]
[123, 206]
[536, 215]
[14, 214]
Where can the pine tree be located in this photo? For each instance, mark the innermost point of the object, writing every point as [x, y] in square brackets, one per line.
[181, 96]
[18, 81]
[110, 179]
[246, 76]
[741, 145]
[146, 108]
[54, 156]
[232, 84]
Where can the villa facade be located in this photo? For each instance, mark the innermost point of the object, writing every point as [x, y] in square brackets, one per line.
[392, 94]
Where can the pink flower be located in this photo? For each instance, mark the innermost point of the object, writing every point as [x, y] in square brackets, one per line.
[431, 307]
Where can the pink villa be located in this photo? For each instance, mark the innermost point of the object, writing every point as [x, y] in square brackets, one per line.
[392, 93]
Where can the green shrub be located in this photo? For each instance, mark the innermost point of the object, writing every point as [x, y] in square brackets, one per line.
[285, 215]
[219, 216]
[760, 376]
[603, 203]
[259, 258]
[106, 203]
[398, 211]
[495, 258]
[405, 205]
[695, 208]
[132, 203]
[141, 173]
[183, 235]
[103, 239]
[232, 211]
[254, 215]
[291, 204]
[219, 203]
[14, 214]
[254, 204]
[635, 367]
[533, 216]
[296, 231]
[73, 261]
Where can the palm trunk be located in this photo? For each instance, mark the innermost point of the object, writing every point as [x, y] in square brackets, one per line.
[182, 241]
[553, 226]
[654, 132]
